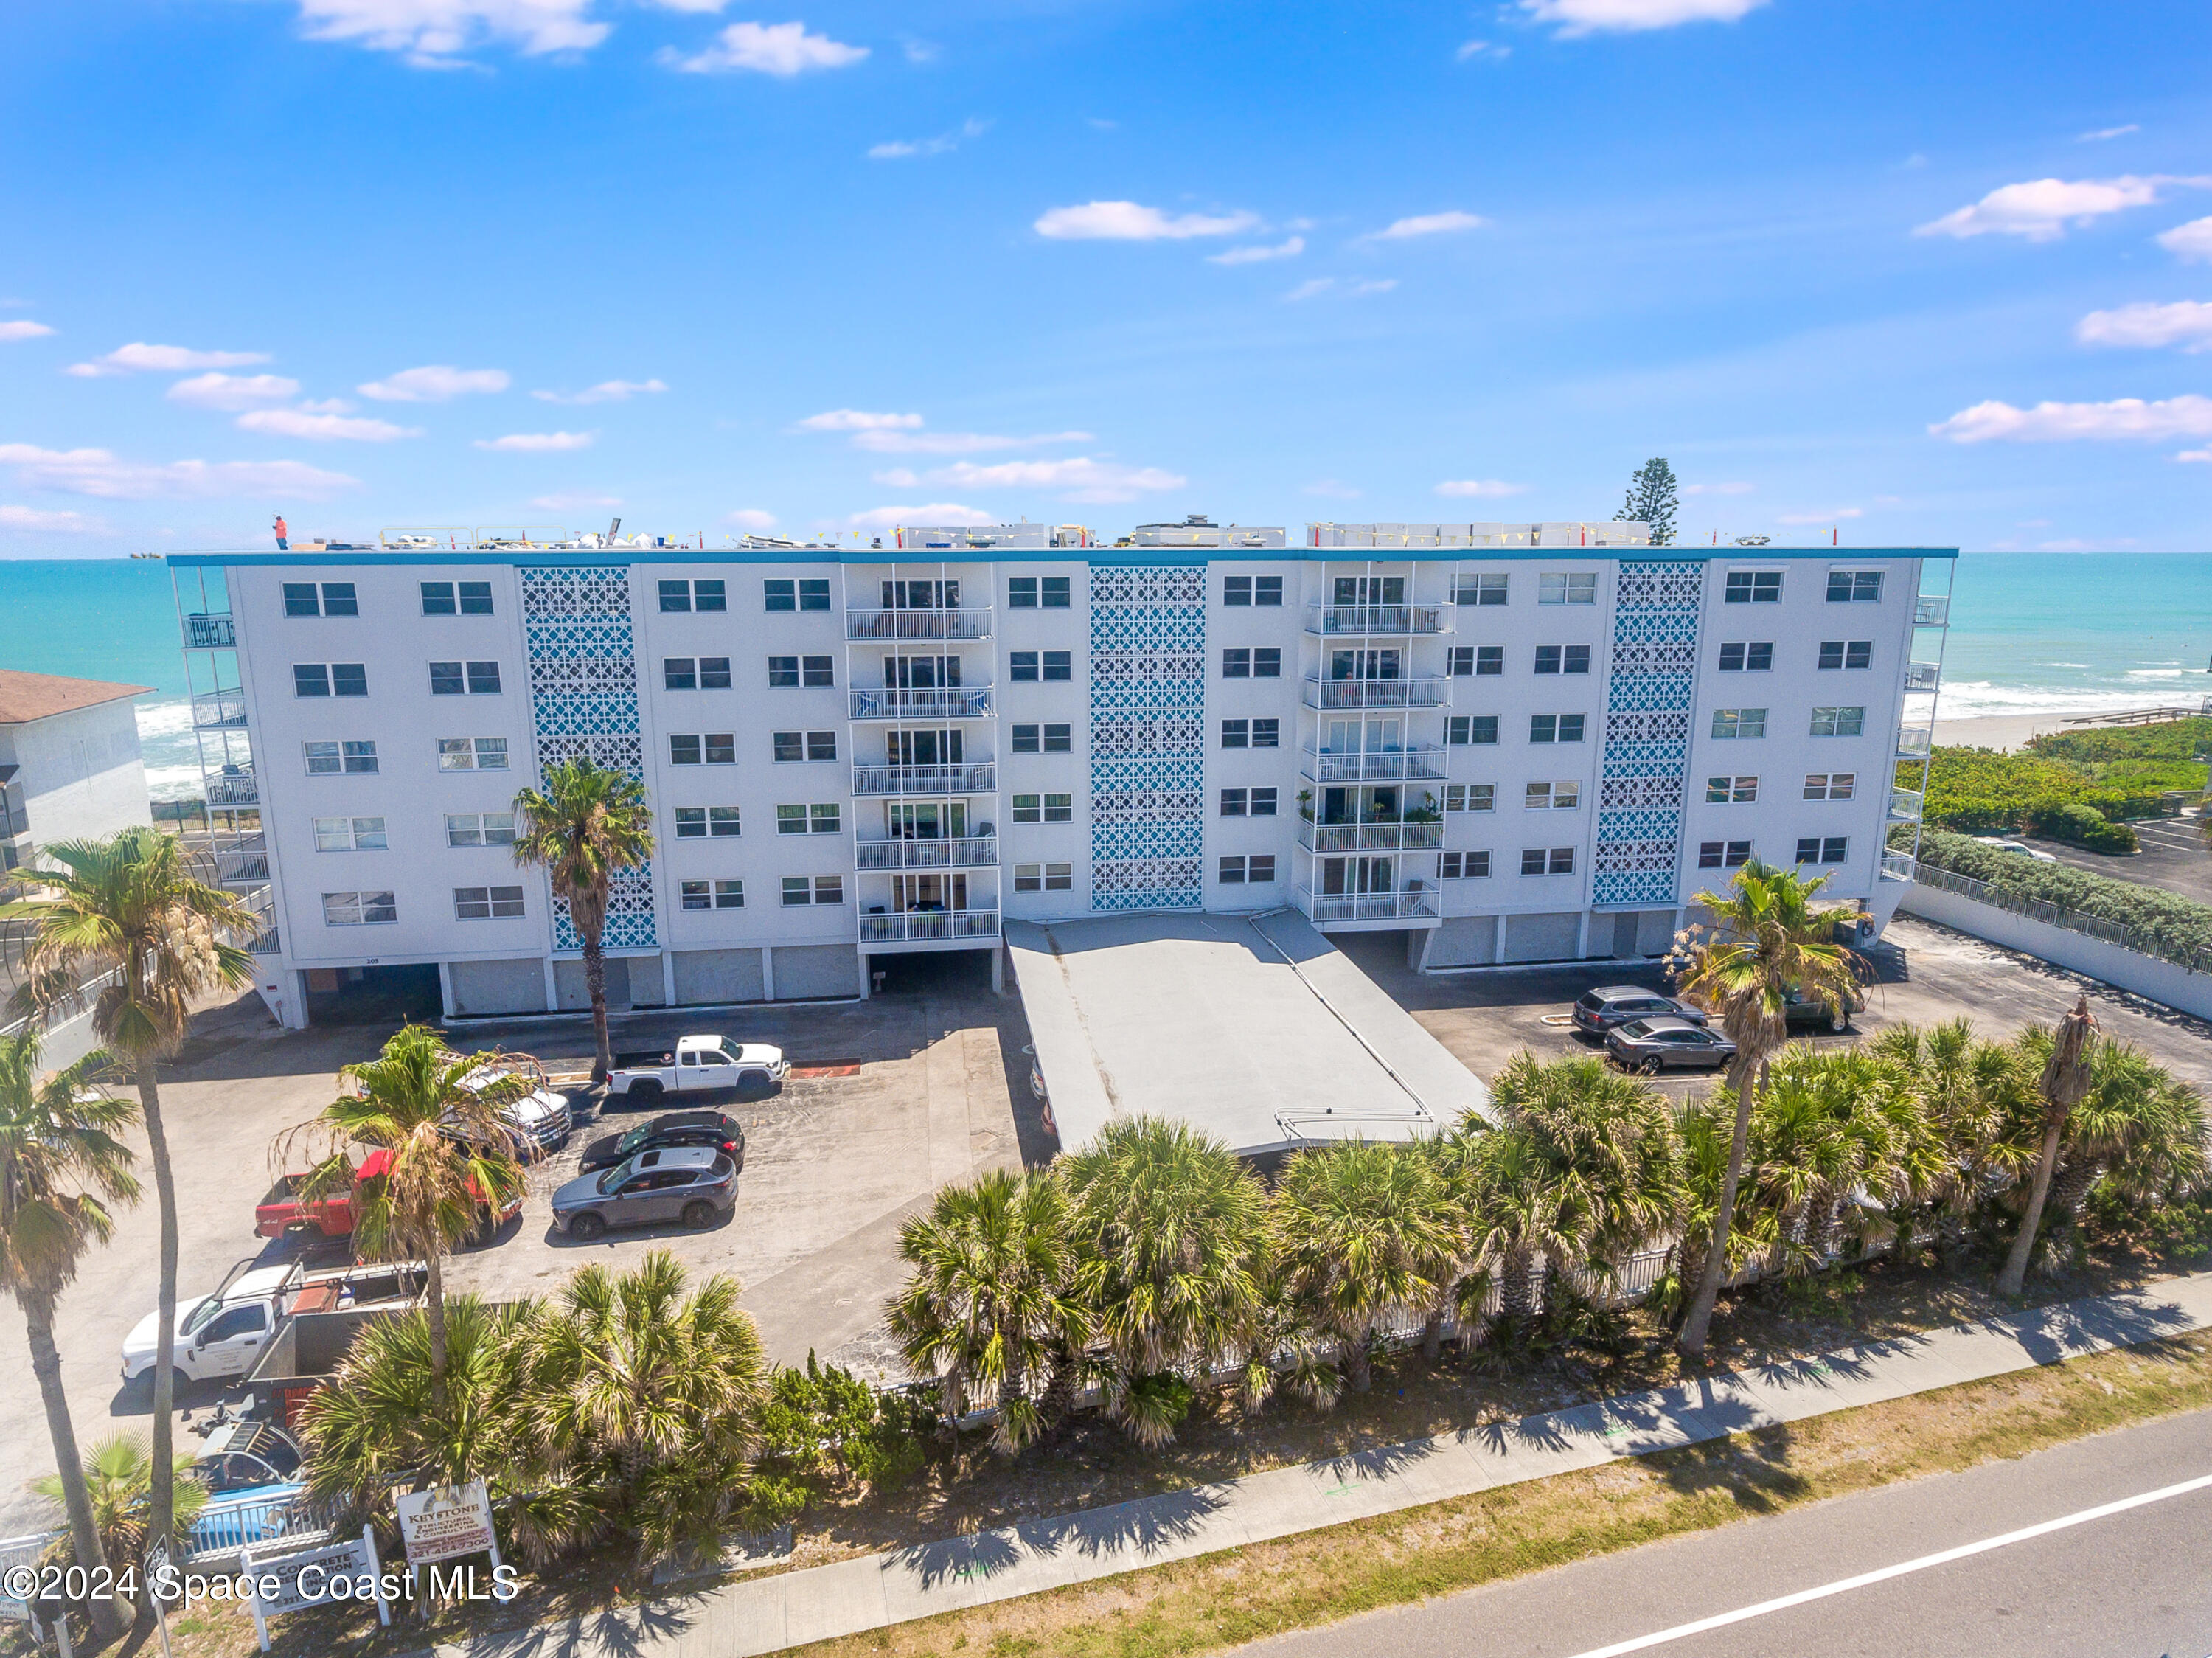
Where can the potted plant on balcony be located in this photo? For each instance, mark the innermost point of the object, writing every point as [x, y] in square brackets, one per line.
[1426, 811]
[1305, 804]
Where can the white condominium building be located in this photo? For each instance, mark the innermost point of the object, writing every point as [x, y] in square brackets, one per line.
[1512, 742]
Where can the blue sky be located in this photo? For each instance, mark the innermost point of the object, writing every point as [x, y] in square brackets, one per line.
[1913, 273]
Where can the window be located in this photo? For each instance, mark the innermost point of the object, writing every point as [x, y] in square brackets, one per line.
[1479, 590]
[1059, 664]
[1465, 866]
[472, 753]
[1555, 728]
[1054, 592]
[1845, 587]
[780, 594]
[486, 903]
[1543, 861]
[789, 746]
[1022, 595]
[1027, 740]
[1471, 728]
[453, 679]
[1724, 854]
[731, 895]
[1471, 797]
[1838, 722]
[1237, 803]
[1847, 653]
[457, 598]
[714, 749]
[1044, 808]
[1266, 663]
[1729, 723]
[337, 599]
[1236, 871]
[714, 895]
[695, 673]
[816, 671]
[1263, 802]
[714, 673]
[695, 595]
[1562, 659]
[1029, 808]
[1747, 658]
[1266, 589]
[1551, 797]
[350, 835]
[359, 909]
[1060, 738]
[1819, 849]
[807, 820]
[1486, 660]
[1251, 589]
[1831, 785]
[330, 680]
[699, 822]
[1569, 588]
[822, 889]
[479, 828]
[1044, 877]
[1236, 589]
[327, 759]
[1237, 664]
[1731, 791]
[1753, 586]
[696, 894]
[1267, 733]
[782, 671]
[1022, 665]
[1236, 734]
[809, 594]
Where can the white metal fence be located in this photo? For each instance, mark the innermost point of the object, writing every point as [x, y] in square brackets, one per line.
[2058, 915]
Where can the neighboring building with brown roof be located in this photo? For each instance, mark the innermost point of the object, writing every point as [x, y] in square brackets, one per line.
[69, 767]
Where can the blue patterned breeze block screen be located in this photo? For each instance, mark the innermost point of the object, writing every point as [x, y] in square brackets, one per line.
[1147, 736]
[1647, 731]
[583, 699]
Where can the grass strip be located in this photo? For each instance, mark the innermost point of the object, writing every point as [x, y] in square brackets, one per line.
[1243, 1594]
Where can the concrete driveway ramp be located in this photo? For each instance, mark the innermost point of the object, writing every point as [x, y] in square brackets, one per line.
[1255, 1029]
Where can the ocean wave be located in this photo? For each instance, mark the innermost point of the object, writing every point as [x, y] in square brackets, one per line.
[1968, 699]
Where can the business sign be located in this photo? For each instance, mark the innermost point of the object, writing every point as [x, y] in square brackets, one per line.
[447, 1522]
[280, 1577]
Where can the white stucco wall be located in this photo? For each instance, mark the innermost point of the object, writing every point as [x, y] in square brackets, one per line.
[81, 775]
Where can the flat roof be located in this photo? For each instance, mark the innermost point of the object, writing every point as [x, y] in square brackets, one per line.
[38, 696]
[557, 557]
[1255, 1029]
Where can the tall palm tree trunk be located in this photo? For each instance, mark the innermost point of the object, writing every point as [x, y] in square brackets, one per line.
[434, 1312]
[595, 982]
[2013, 1278]
[1356, 1366]
[160, 1520]
[2065, 1079]
[84, 1535]
[1698, 1322]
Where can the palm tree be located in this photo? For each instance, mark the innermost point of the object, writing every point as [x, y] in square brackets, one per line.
[452, 1155]
[1364, 1232]
[1966, 1091]
[587, 823]
[1827, 1127]
[123, 926]
[2065, 1079]
[1767, 940]
[117, 1476]
[1167, 1223]
[989, 1299]
[62, 1166]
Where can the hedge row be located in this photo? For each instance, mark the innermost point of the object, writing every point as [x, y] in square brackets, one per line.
[1981, 791]
[2175, 925]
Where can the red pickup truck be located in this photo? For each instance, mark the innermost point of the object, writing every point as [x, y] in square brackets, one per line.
[282, 1210]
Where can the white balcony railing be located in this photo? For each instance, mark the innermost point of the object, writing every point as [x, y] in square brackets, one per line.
[1374, 765]
[1336, 619]
[976, 780]
[1922, 676]
[240, 790]
[1930, 610]
[1375, 693]
[1897, 866]
[928, 926]
[1914, 742]
[1903, 805]
[211, 632]
[1371, 836]
[1414, 903]
[971, 702]
[964, 852]
[212, 708]
[918, 624]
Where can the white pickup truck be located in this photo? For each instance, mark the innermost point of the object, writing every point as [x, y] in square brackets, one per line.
[699, 1065]
[222, 1333]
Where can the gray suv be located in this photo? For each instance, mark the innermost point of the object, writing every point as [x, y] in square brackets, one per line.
[696, 1185]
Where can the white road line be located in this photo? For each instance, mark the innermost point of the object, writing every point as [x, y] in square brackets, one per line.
[1643, 1643]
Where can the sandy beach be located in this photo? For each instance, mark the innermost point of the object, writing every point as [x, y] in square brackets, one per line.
[2004, 731]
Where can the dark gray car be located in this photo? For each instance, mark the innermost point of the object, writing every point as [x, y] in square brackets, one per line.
[1668, 1044]
[1599, 1010]
[695, 1185]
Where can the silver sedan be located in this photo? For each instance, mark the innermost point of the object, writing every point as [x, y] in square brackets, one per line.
[1665, 1044]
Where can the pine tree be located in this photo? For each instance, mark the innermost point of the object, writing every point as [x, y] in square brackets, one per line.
[1651, 500]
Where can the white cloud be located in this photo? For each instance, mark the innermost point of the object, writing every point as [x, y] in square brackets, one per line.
[1334, 489]
[231, 392]
[2105, 132]
[432, 34]
[2041, 208]
[435, 383]
[2186, 323]
[1426, 224]
[607, 391]
[2187, 416]
[23, 328]
[537, 443]
[696, 6]
[1287, 249]
[855, 420]
[1589, 16]
[1480, 48]
[1716, 488]
[884, 441]
[780, 49]
[1828, 517]
[898, 477]
[98, 473]
[1479, 488]
[138, 358]
[1130, 221]
[751, 518]
[569, 501]
[897, 150]
[1313, 288]
[31, 518]
[323, 427]
[2192, 241]
[919, 50]
[934, 513]
[1079, 478]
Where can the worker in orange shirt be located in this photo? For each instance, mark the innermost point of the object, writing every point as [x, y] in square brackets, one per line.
[284, 536]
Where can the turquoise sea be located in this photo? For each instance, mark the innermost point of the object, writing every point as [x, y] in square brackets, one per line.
[2031, 633]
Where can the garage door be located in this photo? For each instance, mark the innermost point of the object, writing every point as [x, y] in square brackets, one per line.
[805, 971]
[707, 976]
[1543, 938]
[488, 987]
[1464, 942]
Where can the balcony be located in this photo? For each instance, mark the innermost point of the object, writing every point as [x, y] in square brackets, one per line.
[213, 633]
[1905, 805]
[918, 624]
[975, 779]
[1373, 766]
[268, 943]
[1371, 836]
[240, 791]
[1414, 903]
[928, 926]
[213, 710]
[1930, 610]
[1897, 866]
[1923, 676]
[971, 702]
[964, 852]
[1375, 693]
[1336, 620]
[1914, 741]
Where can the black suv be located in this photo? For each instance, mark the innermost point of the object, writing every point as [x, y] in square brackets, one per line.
[678, 1128]
[1600, 1010]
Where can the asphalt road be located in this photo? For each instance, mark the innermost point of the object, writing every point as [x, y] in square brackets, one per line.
[2173, 856]
[2136, 1582]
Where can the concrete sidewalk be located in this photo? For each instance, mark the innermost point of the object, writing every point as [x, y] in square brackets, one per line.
[767, 1614]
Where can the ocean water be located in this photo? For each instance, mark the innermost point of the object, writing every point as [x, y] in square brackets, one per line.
[2031, 633]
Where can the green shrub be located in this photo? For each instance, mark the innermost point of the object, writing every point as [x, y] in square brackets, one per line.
[1980, 791]
[771, 1500]
[2081, 826]
[823, 1421]
[2179, 927]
